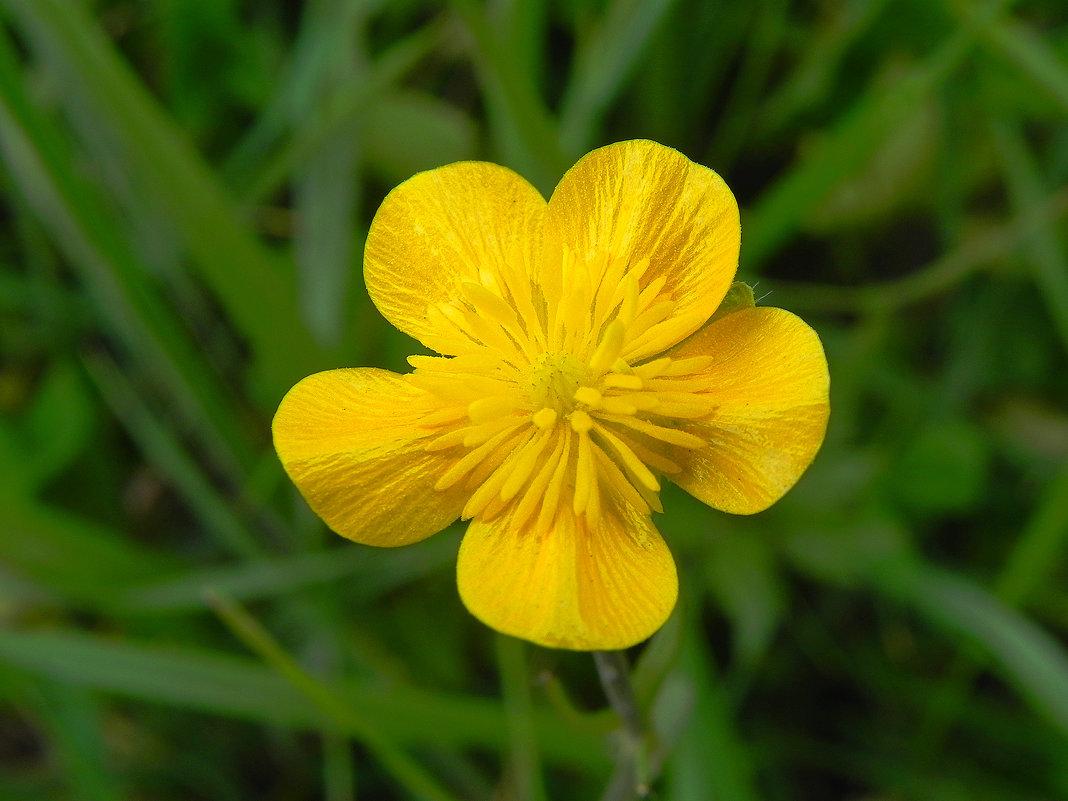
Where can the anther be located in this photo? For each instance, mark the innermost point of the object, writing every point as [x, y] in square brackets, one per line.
[580, 421]
[588, 396]
[544, 418]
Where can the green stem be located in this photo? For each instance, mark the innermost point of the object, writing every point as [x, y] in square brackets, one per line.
[632, 776]
[518, 708]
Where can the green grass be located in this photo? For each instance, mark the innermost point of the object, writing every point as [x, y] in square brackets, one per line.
[186, 185]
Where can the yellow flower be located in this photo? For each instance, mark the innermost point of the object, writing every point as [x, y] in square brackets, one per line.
[580, 366]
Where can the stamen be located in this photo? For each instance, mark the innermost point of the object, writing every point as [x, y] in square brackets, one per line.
[525, 462]
[488, 303]
[544, 418]
[476, 435]
[484, 469]
[648, 318]
[651, 291]
[642, 401]
[634, 465]
[618, 405]
[672, 436]
[478, 362]
[514, 276]
[695, 364]
[622, 381]
[685, 405]
[490, 334]
[639, 267]
[663, 335]
[447, 440]
[484, 410]
[574, 312]
[607, 296]
[581, 422]
[585, 474]
[536, 490]
[470, 460]
[556, 485]
[441, 322]
[618, 482]
[490, 487]
[589, 396]
[488, 280]
[650, 457]
[653, 369]
[609, 348]
[593, 502]
[629, 305]
[690, 384]
[442, 416]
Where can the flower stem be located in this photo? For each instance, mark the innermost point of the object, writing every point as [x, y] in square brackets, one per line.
[632, 774]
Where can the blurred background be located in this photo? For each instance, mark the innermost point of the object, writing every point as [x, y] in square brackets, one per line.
[185, 186]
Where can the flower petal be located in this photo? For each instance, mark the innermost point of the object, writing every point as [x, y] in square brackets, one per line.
[573, 585]
[441, 228]
[771, 384]
[349, 439]
[640, 200]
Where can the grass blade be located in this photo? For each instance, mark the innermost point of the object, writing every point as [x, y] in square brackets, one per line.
[850, 142]
[406, 771]
[1045, 251]
[1032, 55]
[208, 681]
[1022, 653]
[606, 60]
[40, 160]
[248, 281]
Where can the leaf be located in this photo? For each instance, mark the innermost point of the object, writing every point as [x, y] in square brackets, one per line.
[744, 581]
[41, 161]
[207, 681]
[246, 278]
[1021, 652]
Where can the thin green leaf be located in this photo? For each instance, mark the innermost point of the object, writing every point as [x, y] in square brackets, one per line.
[40, 160]
[523, 751]
[269, 154]
[370, 573]
[849, 143]
[1024, 655]
[603, 64]
[197, 679]
[248, 281]
[1040, 548]
[81, 560]
[1032, 55]
[710, 760]
[1045, 252]
[162, 449]
[74, 723]
[337, 712]
[525, 131]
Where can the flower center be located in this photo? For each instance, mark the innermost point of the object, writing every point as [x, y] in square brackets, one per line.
[554, 398]
[554, 379]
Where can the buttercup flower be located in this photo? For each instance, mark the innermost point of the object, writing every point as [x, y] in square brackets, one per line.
[587, 354]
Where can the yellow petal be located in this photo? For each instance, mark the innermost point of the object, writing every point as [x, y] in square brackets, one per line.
[349, 439]
[570, 585]
[770, 383]
[465, 222]
[640, 200]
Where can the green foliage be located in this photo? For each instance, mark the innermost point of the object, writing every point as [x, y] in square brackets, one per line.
[186, 189]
